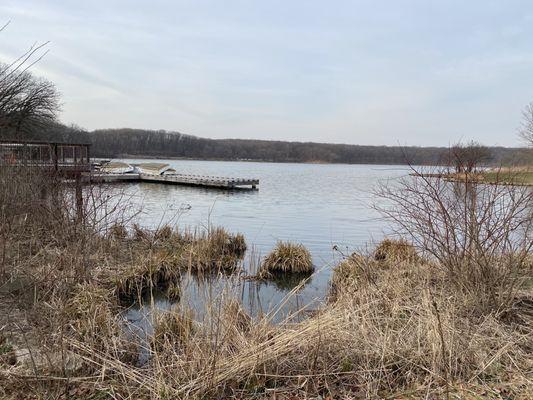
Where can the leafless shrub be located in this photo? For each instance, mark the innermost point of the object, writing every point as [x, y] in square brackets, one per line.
[480, 234]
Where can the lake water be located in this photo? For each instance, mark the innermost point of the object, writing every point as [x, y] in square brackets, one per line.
[318, 205]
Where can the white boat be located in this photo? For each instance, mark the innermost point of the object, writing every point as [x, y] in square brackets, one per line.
[153, 168]
[170, 171]
[116, 167]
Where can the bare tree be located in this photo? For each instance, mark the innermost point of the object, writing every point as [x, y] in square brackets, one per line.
[26, 102]
[468, 158]
[526, 128]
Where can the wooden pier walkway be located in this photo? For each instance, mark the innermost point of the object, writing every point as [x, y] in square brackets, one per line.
[177, 179]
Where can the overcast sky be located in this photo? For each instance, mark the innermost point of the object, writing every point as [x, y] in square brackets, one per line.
[362, 72]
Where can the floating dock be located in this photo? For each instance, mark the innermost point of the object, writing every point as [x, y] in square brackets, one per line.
[73, 161]
[177, 179]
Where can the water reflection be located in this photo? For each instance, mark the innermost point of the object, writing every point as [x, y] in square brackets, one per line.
[288, 282]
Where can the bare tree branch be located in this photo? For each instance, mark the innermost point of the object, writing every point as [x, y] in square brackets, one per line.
[480, 234]
[27, 103]
[526, 128]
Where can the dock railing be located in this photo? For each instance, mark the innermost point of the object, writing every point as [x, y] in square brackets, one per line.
[61, 158]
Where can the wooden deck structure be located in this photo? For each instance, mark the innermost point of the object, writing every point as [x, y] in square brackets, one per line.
[60, 160]
[73, 161]
[67, 159]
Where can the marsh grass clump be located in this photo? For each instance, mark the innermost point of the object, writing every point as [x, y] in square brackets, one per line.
[287, 257]
[163, 233]
[349, 273]
[225, 243]
[7, 352]
[214, 251]
[172, 330]
[132, 282]
[156, 259]
[92, 310]
[155, 270]
[395, 250]
[173, 292]
[118, 232]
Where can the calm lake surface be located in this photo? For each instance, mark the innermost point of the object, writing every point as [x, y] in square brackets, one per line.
[318, 205]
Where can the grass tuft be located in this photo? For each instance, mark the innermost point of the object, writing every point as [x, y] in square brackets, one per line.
[7, 353]
[395, 250]
[287, 257]
[173, 292]
[348, 274]
[172, 330]
[118, 231]
[214, 251]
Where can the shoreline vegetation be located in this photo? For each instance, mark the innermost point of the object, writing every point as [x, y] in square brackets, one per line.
[416, 317]
[159, 144]
[514, 176]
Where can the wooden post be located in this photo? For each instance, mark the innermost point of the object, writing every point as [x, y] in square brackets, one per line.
[88, 153]
[79, 198]
[55, 156]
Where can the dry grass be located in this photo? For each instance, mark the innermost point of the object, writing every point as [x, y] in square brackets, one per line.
[287, 257]
[7, 355]
[173, 292]
[389, 332]
[394, 327]
[515, 176]
[172, 330]
[350, 272]
[157, 259]
[391, 250]
[386, 332]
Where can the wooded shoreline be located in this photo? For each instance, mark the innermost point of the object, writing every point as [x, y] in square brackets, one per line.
[139, 143]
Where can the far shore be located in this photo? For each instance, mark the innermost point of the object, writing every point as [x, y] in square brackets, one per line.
[322, 162]
[516, 176]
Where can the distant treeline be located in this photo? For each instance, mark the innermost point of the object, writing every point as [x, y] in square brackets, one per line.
[117, 143]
